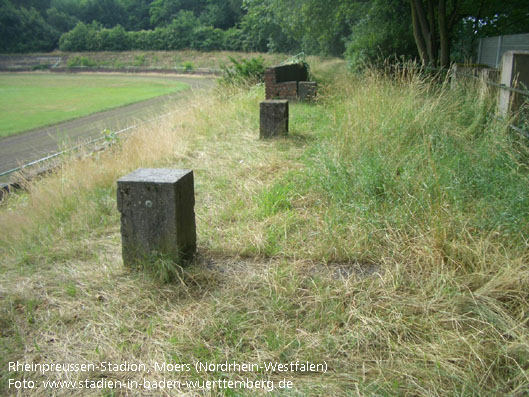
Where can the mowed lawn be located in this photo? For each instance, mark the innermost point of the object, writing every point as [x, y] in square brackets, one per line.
[31, 100]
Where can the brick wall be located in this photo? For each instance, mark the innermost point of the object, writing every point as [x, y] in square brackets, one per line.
[281, 82]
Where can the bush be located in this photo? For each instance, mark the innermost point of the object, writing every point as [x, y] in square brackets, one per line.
[233, 39]
[115, 39]
[207, 38]
[81, 38]
[244, 71]
[188, 66]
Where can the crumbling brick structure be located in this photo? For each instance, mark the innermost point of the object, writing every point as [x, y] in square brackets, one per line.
[281, 82]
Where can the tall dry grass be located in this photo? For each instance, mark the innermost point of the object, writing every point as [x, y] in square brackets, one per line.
[386, 236]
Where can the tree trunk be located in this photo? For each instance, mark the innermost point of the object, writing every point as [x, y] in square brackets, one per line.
[426, 31]
[419, 41]
[443, 35]
[433, 25]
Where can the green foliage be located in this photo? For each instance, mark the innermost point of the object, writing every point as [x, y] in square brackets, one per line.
[380, 34]
[24, 29]
[115, 39]
[81, 38]
[207, 38]
[262, 30]
[244, 71]
[80, 61]
[363, 31]
[233, 39]
[139, 60]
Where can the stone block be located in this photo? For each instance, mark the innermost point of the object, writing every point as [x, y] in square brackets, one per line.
[307, 90]
[273, 118]
[514, 74]
[157, 214]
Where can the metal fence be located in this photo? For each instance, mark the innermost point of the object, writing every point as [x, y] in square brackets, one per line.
[491, 49]
[483, 77]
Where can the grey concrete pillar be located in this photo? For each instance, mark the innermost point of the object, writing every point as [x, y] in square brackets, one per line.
[514, 74]
[307, 90]
[273, 118]
[157, 214]
[453, 77]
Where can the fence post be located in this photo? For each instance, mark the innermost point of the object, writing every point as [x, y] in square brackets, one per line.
[453, 77]
[514, 74]
[483, 80]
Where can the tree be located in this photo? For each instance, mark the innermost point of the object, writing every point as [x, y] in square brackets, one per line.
[426, 18]
[382, 31]
[162, 12]
[23, 30]
[137, 12]
[222, 14]
[437, 22]
[262, 28]
[61, 21]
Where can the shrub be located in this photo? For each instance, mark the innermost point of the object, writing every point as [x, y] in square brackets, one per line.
[233, 39]
[115, 39]
[207, 38]
[81, 38]
[244, 71]
[139, 60]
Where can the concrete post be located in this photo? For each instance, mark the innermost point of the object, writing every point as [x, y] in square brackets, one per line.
[273, 118]
[453, 77]
[514, 74]
[157, 214]
[483, 86]
[307, 90]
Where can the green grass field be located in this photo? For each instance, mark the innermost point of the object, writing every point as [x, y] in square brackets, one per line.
[34, 100]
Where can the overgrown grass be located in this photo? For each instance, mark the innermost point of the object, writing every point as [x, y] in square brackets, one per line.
[386, 236]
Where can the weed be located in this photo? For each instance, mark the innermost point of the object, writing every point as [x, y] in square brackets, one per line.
[188, 66]
[139, 60]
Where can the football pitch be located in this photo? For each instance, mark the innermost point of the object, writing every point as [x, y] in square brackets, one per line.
[31, 100]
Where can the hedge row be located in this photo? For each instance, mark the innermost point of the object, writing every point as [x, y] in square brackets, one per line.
[177, 36]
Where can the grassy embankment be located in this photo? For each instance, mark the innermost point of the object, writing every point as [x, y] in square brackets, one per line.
[187, 59]
[36, 100]
[387, 236]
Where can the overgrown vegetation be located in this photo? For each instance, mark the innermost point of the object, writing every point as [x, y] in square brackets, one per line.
[79, 61]
[249, 71]
[386, 236]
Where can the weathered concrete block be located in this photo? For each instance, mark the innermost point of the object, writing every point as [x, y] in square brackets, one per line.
[273, 118]
[307, 90]
[157, 214]
[514, 74]
[281, 82]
